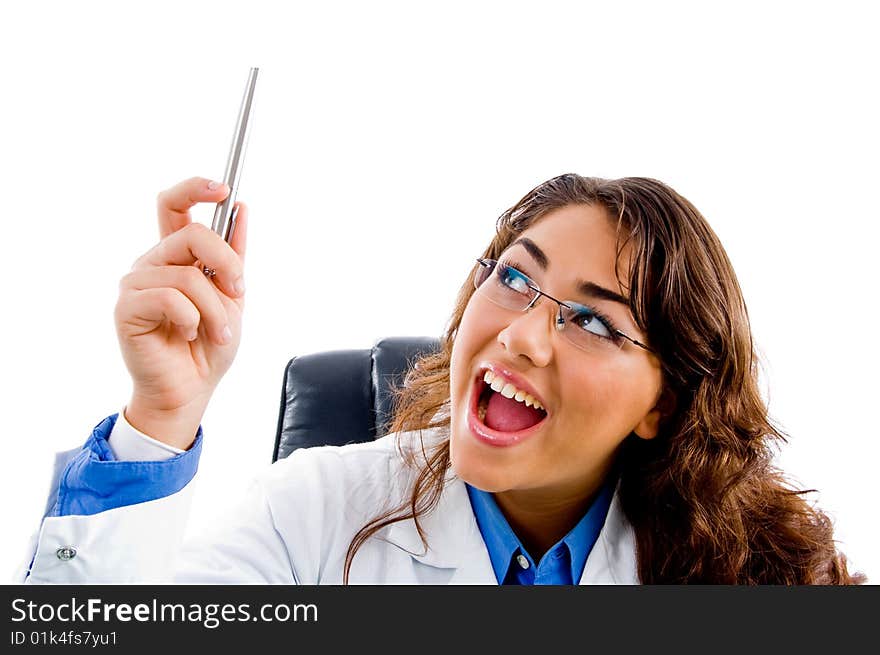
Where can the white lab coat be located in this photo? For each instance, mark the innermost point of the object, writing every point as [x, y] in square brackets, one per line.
[294, 526]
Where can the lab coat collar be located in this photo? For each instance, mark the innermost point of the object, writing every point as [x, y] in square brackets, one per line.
[455, 542]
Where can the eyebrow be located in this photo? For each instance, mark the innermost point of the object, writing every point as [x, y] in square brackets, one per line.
[586, 288]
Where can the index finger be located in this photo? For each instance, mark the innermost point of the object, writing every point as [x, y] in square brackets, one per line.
[174, 203]
[193, 243]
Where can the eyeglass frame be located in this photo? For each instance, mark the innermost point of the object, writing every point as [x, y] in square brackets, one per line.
[560, 320]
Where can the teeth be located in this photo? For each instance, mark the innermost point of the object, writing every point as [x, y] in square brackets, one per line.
[507, 390]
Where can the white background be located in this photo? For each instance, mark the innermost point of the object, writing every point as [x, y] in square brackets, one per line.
[387, 137]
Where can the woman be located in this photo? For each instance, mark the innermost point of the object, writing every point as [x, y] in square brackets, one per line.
[593, 415]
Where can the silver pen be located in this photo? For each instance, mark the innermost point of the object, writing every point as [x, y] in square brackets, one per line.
[225, 213]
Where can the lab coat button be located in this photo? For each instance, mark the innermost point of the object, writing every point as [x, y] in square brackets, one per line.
[66, 553]
[522, 561]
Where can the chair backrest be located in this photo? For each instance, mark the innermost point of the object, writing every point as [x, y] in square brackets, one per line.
[343, 396]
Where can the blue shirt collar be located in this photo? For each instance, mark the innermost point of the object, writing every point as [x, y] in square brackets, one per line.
[503, 544]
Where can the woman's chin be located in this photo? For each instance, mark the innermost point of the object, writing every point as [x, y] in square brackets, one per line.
[472, 467]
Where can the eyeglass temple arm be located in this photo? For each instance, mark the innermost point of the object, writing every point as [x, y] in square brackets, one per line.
[633, 341]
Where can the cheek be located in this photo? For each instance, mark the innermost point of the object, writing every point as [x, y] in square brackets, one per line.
[474, 333]
[600, 394]
[587, 389]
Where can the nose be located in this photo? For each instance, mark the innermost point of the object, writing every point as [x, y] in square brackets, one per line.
[530, 335]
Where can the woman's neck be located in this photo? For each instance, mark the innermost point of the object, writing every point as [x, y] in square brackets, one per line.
[540, 518]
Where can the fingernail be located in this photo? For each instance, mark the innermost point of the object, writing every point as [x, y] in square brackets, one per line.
[213, 185]
[226, 337]
[238, 285]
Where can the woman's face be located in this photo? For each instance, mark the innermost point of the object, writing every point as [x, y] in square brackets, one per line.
[593, 397]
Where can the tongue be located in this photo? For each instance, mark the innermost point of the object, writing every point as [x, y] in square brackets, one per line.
[507, 415]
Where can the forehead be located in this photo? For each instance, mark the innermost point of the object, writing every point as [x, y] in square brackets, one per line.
[579, 242]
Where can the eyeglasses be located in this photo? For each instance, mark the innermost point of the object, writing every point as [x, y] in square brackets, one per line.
[584, 327]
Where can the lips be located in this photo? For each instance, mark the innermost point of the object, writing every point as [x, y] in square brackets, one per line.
[496, 437]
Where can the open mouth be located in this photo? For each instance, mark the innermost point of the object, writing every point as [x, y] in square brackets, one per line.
[501, 413]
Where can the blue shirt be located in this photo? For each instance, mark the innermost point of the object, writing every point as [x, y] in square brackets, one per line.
[93, 481]
[563, 564]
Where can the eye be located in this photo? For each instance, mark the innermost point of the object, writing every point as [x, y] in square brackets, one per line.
[513, 279]
[590, 321]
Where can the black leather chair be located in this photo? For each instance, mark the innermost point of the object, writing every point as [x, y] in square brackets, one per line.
[343, 396]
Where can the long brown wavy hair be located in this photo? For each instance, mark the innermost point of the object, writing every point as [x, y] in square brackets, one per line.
[704, 499]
